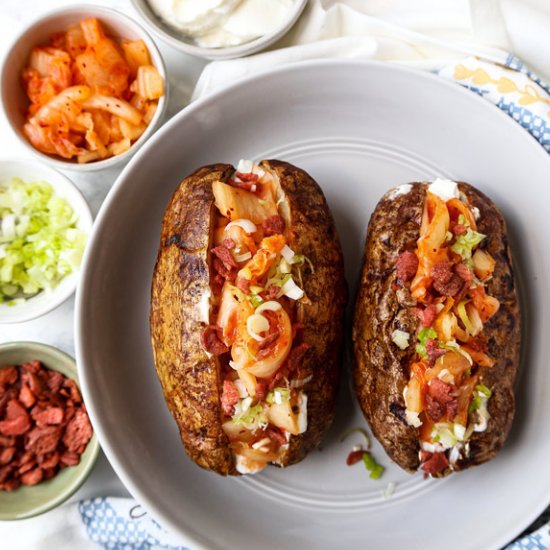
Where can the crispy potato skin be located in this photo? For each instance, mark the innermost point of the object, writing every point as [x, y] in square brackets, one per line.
[192, 382]
[381, 369]
[190, 379]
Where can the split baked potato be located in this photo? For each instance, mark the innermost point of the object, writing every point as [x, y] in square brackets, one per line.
[437, 327]
[247, 304]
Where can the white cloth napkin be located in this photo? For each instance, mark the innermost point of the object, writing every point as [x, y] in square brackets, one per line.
[122, 524]
[110, 523]
[468, 42]
[426, 33]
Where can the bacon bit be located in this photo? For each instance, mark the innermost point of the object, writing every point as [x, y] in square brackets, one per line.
[50, 415]
[445, 281]
[17, 421]
[8, 375]
[406, 266]
[441, 400]
[434, 351]
[55, 381]
[268, 341]
[273, 225]
[271, 337]
[464, 273]
[78, 431]
[32, 366]
[6, 455]
[243, 284]
[458, 228]
[26, 397]
[247, 176]
[249, 182]
[226, 274]
[433, 463]
[272, 292]
[261, 391]
[7, 441]
[354, 457]
[427, 315]
[211, 341]
[229, 244]
[50, 460]
[276, 435]
[69, 458]
[230, 397]
[225, 256]
[33, 477]
[42, 440]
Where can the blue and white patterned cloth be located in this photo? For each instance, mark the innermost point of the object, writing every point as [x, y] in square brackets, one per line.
[512, 87]
[122, 524]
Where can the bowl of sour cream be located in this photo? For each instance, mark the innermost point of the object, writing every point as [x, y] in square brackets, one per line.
[220, 29]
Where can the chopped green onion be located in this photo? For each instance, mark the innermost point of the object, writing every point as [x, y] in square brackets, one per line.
[426, 334]
[484, 390]
[423, 336]
[475, 404]
[278, 396]
[255, 300]
[250, 416]
[464, 244]
[375, 469]
[421, 350]
[463, 221]
[39, 241]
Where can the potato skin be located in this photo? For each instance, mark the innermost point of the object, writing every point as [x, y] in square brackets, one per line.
[191, 381]
[381, 371]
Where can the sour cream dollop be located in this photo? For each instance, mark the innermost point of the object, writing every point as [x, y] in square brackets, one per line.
[222, 23]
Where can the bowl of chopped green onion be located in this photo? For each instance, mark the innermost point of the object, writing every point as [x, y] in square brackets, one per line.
[44, 224]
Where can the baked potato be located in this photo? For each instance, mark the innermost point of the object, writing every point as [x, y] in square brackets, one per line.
[246, 319]
[437, 327]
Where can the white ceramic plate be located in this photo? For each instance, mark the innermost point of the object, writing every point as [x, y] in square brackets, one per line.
[358, 128]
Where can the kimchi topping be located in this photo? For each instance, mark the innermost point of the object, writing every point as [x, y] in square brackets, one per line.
[254, 330]
[446, 275]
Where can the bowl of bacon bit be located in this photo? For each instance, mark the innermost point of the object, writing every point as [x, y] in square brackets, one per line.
[47, 444]
[84, 87]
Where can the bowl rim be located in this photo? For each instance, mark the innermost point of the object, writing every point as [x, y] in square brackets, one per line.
[94, 11]
[229, 52]
[81, 207]
[87, 467]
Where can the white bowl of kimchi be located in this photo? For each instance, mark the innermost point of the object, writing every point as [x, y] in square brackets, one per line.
[86, 94]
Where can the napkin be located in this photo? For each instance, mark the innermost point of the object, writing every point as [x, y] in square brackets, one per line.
[467, 42]
[109, 523]
[122, 524]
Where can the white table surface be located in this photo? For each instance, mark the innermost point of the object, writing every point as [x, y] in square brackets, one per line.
[56, 327]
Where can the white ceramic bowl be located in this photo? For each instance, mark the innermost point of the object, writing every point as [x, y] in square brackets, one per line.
[185, 44]
[14, 99]
[30, 171]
